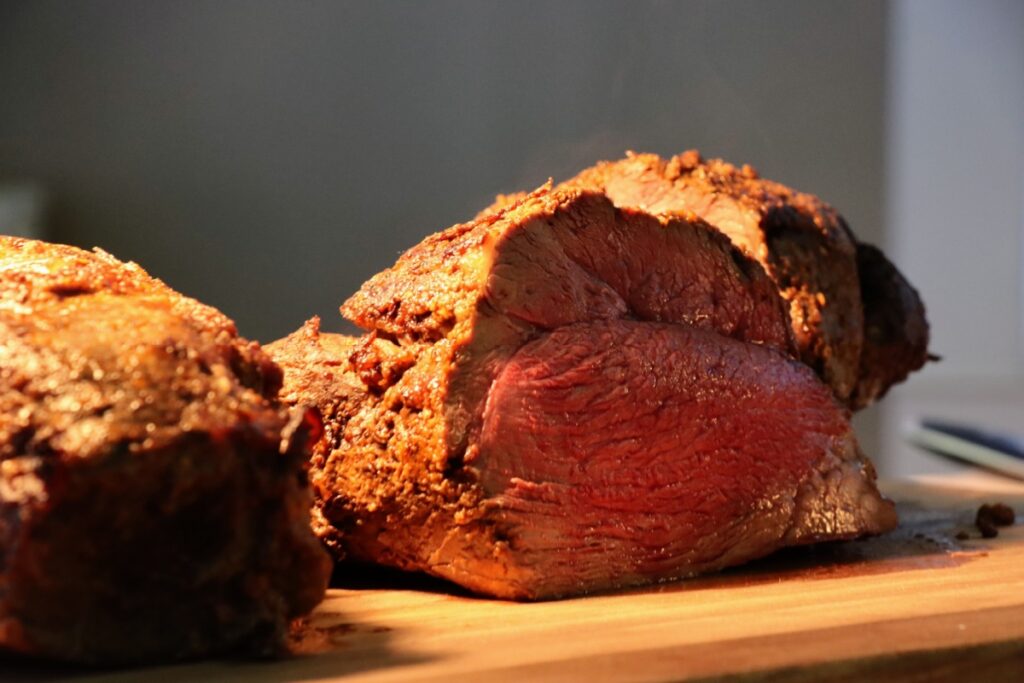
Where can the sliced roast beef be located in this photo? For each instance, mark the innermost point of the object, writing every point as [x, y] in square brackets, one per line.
[563, 396]
[857, 321]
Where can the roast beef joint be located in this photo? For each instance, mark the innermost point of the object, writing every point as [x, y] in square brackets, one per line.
[583, 389]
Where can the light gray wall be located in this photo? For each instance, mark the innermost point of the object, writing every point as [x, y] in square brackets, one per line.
[956, 213]
[956, 166]
[267, 157]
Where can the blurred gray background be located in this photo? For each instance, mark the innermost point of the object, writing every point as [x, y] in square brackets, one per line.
[268, 157]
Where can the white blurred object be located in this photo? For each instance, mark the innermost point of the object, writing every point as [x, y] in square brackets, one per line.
[1000, 452]
[22, 209]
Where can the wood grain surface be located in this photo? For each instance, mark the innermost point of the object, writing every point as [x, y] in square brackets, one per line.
[915, 605]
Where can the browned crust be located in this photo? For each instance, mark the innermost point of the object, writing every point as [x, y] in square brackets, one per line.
[380, 476]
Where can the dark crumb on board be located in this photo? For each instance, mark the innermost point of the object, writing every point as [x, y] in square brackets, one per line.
[962, 536]
[1001, 514]
[990, 517]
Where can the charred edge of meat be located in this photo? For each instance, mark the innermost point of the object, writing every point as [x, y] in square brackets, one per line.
[895, 327]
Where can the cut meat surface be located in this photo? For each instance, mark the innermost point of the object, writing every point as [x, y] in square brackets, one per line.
[153, 493]
[617, 451]
[562, 396]
[857, 321]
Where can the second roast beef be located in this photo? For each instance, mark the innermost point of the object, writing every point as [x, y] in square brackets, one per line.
[564, 396]
[153, 492]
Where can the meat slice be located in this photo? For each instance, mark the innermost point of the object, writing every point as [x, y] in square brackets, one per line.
[857, 321]
[154, 501]
[562, 397]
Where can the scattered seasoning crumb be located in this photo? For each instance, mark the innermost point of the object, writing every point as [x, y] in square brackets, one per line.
[990, 517]
[1002, 514]
[962, 536]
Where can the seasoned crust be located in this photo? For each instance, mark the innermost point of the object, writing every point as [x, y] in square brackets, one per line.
[145, 469]
[380, 468]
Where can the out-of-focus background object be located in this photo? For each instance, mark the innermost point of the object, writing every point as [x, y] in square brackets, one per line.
[992, 451]
[22, 209]
[267, 157]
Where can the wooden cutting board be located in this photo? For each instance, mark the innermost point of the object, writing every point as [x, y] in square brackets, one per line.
[916, 605]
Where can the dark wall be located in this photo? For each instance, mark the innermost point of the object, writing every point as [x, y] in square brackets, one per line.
[267, 157]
